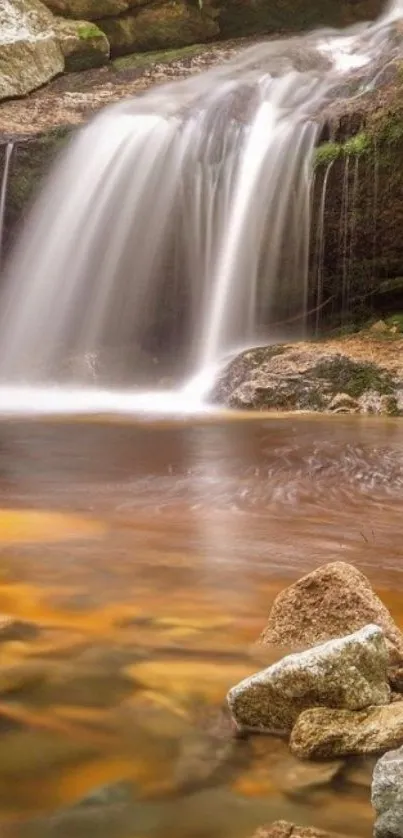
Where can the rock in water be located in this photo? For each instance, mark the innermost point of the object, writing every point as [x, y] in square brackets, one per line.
[334, 600]
[283, 829]
[349, 673]
[322, 733]
[387, 795]
[30, 54]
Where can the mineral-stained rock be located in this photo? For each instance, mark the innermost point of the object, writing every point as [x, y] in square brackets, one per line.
[350, 672]
[334, 600]
[171, 25]
[283, 829]
[82, 43]
[387, 795]
[322, 733]
[30, 54]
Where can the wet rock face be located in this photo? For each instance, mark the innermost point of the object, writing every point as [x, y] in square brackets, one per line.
[387, 795]
[334, 600]
[30, 54]
[322, 733]
[350, 673]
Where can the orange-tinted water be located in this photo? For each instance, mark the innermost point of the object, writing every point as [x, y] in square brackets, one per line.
[146, 557]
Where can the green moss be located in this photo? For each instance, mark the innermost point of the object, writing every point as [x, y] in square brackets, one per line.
[359, 144]
[353, 378]
[89, 31]
[326, 153]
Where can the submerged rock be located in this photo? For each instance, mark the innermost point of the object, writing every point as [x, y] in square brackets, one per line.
[82, 43]
[350, 672]
[322, 733]
[30, 54]
[387, 795]
[334, 600]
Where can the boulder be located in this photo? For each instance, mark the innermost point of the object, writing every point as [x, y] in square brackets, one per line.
[350, 673]
[30, 54]
[168, 26]
[82, 43]
[284, 829]
[92, 9]
[316, 377]
[323, 733]
[334, 600]
[387, 795]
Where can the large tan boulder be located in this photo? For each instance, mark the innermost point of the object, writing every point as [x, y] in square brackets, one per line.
[350, 673]
[92, 9]
[170, 25]
[322, 733]
[30, 54]
[83, 44]
[334, 600]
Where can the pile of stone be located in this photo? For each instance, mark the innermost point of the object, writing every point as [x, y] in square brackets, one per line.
[340, 696]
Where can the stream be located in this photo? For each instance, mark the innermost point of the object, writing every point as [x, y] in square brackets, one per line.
[139, 560]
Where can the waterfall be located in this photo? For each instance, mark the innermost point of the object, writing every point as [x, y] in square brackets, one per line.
[178, 223]
[3, 192]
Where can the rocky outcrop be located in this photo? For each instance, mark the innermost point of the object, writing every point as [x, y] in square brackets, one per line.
[310, 377]
[173, 24]
[334, 600]
[82, 43]
[30, 54]
[350, 673]
[322, 733]
[387, 795]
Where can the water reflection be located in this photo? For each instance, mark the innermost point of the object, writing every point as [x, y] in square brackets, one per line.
[138, 602]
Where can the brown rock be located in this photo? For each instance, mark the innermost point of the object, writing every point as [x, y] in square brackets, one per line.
[283, 829]
[334, 600]
[323, 733]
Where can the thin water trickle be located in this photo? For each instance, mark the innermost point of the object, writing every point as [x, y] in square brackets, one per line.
[320, 244]
[3, 193]
[179, 222]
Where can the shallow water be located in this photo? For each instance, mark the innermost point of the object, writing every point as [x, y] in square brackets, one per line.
[145, 557]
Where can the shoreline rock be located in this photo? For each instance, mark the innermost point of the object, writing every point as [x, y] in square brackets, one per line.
[350, 672]
[334, 600]
[387, 795]
[284, 829]
[322, 733]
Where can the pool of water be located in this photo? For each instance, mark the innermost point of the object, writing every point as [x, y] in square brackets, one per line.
[139, 560]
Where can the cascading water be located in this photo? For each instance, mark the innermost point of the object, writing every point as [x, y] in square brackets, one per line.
[3, 192]
[179, 220]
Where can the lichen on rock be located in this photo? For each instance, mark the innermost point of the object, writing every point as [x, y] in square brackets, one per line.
[350, 672]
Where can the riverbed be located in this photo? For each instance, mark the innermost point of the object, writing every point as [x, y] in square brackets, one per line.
[140, 559]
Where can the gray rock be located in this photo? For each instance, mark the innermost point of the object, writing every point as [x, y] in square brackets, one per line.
[30, 54]
[387, 795]
[350, 673]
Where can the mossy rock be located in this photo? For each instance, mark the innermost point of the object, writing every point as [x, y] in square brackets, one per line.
[91, 9]
[83, 44]
[171, 25]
